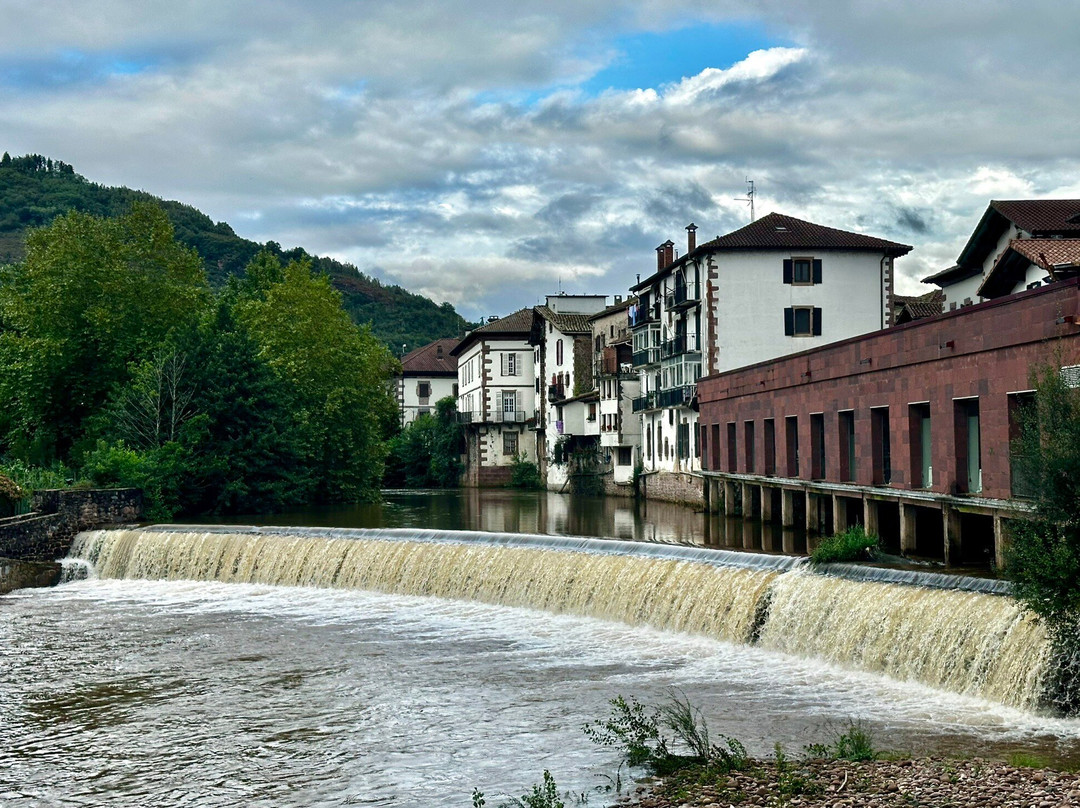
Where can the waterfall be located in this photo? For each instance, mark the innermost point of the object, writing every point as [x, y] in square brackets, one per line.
[965, 641]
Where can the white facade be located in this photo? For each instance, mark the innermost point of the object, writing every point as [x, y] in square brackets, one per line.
[496, 383]
[417, 395]
[750, 300]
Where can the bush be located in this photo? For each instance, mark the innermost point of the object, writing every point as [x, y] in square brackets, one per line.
[854, 743]
[525, 474]
[637, 730]
[854, 544]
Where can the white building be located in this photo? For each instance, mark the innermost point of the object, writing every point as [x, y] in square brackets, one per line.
[618, 386]
[427, 375]
[1017, 245]
[496, 395]
[778, 286]
[566, 400]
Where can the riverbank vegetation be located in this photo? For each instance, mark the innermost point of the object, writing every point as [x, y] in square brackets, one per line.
[854, 544]
[670, 745]
[119, 361]
[427, 452]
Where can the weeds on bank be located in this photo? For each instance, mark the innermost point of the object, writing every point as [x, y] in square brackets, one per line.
[854, 544]
[854, 743]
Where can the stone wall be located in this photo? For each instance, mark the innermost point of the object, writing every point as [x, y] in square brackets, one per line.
[57, 516]
[678, 487]
[27, 574]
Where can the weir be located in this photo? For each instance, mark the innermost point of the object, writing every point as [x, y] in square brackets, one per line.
[970, 642]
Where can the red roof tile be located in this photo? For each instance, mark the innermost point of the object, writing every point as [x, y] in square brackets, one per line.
[786, 232]
[433, 359]
[1040, 215]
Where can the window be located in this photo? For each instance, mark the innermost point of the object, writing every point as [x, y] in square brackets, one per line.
[922, 469]
[846, 423]
[817, 446]
[592, 411]
[509, 401]
[791, 434]
[625, 456]
[510, 364]
[1022, 417]
[882, 445]
[770, 446]
[732, 449]
[423, 390]
[968, 448]
[748, 446]
[802, 321]
[558, 352]
[802, 271]
[510, 443]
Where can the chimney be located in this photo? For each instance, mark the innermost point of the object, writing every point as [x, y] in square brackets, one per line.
[691, 237]
[618, 299]
[665, 254]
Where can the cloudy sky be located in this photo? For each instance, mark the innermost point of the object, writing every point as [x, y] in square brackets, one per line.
[486, 153]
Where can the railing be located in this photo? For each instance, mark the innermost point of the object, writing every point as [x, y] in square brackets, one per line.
[556, 392]
[465, 417]
[683, 343]
[649, 356]
[642, 316]
[683, 295]
[677, 397]
[645, 402]
[514, 417]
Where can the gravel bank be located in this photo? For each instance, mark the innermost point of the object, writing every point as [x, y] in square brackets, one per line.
[929, 782]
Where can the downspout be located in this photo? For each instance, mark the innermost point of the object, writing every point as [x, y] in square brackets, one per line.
[881, 286]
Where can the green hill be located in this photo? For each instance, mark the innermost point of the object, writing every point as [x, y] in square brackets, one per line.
[35, 189]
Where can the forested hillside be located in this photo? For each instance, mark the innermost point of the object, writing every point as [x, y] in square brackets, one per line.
[34, 190]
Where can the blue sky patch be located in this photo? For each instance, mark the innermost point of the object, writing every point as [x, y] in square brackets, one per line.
[654, 59]
[71, 67]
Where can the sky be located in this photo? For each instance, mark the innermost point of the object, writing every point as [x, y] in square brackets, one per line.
[489, 153]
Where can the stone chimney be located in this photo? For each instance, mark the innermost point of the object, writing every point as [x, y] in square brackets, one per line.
[691, 237]
[665, 254]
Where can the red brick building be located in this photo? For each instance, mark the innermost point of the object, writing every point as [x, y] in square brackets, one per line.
[905, 430]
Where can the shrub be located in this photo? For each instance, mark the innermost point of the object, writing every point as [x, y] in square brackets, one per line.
[854, 743]
[854, 544]
[525, 474]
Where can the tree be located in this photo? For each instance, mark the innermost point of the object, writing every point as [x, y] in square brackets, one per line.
[338, 373]
[427, 452]
[92, 296]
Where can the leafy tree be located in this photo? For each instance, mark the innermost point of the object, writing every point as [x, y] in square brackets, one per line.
[92, 296]
[427, 452]
[338, 374]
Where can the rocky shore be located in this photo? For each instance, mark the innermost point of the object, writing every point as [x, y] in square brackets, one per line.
[931, 783]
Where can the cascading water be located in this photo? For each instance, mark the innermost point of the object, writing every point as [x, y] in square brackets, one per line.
[963, 641]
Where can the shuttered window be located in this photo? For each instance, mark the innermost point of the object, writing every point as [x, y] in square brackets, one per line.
[511, 366]
[802, 321]
[802, 271]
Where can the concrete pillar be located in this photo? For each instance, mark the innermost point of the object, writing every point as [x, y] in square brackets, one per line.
[787, 507]
[1001, 541]
[951, 521]
[813, 513]
[766, 504]
[907, 528]
[870, 517]
[706, 495]
[748, 501]
[731, 500]
[839, 514]
[787, 541]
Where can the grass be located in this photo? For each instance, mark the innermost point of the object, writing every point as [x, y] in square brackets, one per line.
[854, 544]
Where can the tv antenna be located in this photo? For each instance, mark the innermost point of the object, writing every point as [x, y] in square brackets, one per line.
[749, 198]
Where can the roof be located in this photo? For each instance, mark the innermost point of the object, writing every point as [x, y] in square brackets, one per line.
[518, 324]
[1049, 254]
[953, 274]
[567, 323]
[433, 359]
[613, 309]
[779, 232]
[1040, 217]
[908, 308]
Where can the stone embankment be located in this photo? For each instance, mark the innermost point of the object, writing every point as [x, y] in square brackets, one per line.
[30, 543]
[873, 784]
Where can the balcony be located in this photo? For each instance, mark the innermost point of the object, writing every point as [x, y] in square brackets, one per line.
[649, 356]
[645, 402]
[676, 397]
[515, 417]
[681, 344]
[683, 297]
[465, 417]
[556, 392]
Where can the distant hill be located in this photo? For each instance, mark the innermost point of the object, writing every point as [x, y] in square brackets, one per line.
[36, 189]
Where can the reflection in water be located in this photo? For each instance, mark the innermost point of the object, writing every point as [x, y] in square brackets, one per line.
[549, 513]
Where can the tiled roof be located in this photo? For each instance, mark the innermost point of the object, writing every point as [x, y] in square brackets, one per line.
[567, 323]
[512, 325]
[911, 308]
[617, 307]
[951, 275]
[429, 360]
[1048, 252]
[1041, 215]
[777, 231]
